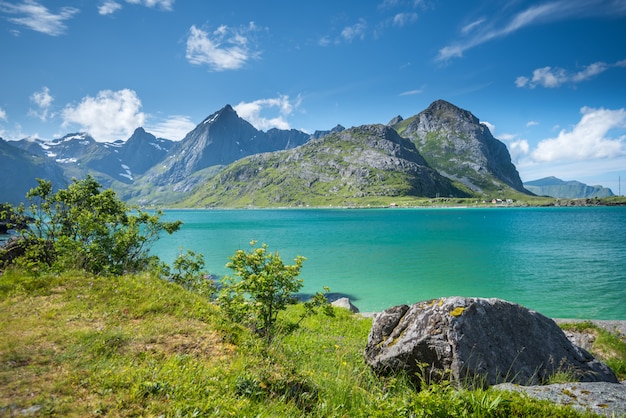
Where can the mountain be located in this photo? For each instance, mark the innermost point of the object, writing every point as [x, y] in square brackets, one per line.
[319, 134]
[133, 157]
[554, 187]
[443, 150]
[78, 154]
[370, 161]
[19, 170]
[219, 140]
[455, 143]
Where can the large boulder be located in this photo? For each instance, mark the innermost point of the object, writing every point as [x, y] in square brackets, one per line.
[476, 341]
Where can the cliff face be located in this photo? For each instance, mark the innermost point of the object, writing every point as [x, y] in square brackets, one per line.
[367, 161]
[455, 143]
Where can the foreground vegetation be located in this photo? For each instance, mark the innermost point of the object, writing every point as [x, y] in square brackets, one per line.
[93, 325]
[81, 345]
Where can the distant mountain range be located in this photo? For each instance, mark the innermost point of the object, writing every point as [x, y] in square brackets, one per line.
[554, 187]
[225, 161]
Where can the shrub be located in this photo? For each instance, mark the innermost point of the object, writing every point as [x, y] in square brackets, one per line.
[83, 227]
[260, 288]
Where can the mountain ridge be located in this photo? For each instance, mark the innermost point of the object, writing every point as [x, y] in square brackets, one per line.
[572, 189]
[339, 168]
[446, 140]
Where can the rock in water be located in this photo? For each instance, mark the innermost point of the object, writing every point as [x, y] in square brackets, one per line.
[476, 341]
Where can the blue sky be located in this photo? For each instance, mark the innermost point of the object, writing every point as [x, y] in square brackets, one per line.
[547, 77]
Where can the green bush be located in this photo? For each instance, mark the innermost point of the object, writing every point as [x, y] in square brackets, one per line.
[83, 227]
[260, 288]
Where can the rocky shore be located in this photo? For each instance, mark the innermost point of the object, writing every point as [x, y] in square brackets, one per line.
[601, 398]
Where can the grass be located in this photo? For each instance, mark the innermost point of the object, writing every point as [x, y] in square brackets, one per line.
[79, 345]
[608, 347]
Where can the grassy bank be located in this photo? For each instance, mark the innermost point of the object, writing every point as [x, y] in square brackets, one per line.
[78, 345]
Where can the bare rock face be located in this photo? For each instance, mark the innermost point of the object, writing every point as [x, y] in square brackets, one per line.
[476, 341]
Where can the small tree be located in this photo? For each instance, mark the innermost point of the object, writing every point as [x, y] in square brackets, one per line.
[260, 288]
[85, 228]
[188, 271]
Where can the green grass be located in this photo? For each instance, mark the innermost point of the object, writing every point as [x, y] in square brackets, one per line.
[79, 345]
[607, 346]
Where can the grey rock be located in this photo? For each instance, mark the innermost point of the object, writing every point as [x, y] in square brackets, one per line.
[345, 303]
[395, 121]
[602, 398]
[476, 341]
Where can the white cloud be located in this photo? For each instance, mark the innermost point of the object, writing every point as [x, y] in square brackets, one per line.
[518, 149]
[251, 111]
[472, 26]
[589, 139]
[111, 115]
[411, 92]
[163, 4]
[553, 11]
[37, 17]
[109, 7]
[555, 77]
[223, 49]
[531, 123]
[174, 128]
[3, 114]
[356, 31]
[43, 100]
[403, 19]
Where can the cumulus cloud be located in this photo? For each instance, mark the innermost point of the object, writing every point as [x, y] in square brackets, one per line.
[589, 139]
[223, 49]
[518, 149]
[34, 16]
[109, 7]
[3, 114]
[109, 116]
[43, 100]
[174, 128]
[251, 111]
[549, 77]
[491, 28]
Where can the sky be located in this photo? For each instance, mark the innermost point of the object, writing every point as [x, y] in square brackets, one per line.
[547, 77]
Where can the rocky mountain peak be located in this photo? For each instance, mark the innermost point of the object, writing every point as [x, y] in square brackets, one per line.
[446, 111]
[319, 134]
[395, 121]
[227, 113]
[454, 142]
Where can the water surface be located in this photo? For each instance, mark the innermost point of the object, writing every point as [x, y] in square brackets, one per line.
[563, 262]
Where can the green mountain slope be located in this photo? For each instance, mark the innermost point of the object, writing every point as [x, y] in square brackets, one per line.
[370, 164]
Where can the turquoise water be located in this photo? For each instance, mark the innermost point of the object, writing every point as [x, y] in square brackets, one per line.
[562, 262]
